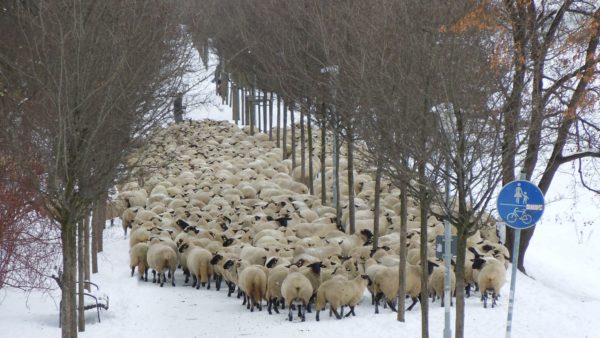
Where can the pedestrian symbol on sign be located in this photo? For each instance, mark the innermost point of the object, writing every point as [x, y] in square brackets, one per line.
[520, 204]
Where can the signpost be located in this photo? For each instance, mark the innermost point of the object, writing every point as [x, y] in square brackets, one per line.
[520, 204]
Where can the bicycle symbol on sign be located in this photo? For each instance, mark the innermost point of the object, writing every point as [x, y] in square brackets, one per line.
[519, 214]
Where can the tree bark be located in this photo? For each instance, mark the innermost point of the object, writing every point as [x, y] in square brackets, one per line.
[278, 121]
[403, 230]
[293, 126]
[423, 203]
[271, 117]
[461, 248]
[302, 146]
[377, 203]
[351, 207]
[80, 274]
[68, 301]
[86, 250]
[284, 136]
[323, 149]
[265, 112]
[311, 187]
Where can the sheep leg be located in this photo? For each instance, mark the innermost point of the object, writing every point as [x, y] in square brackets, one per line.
[161, 278]
[304, 312]
[154, 276]
[414, 301]
[173, 278]
[276, 301]
[195, 280]
[290, 312]
[484, 299]
[132, 269]
[208, 286]
[335, 312]
[299, 306]
[186, 272]
[494, 299]
[282, 304]
[391, 305]
[468, 290]
[145, 275]
[218, 280]
[377, 299]
[342, 311]
[269, 305]
[351, 312]
[318, 315]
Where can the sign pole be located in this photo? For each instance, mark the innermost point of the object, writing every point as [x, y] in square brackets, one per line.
[513, 281]
[513, 278]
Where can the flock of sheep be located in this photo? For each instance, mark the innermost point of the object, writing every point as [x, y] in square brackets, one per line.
[225, 207]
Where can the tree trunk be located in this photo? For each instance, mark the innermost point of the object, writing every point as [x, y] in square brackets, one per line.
[302, 147]
[68, 301]
[178, 108]
[278, 121]
[402, 267]
[80, 274]
[284, 135]
[271, 117]
[293, 126]
[311, 187]
[423, 203]
[235, 103]
[351, 207]
[377, 203]
[265, 119]
[336, 178]
[323, 149]
[86, 250]
[461, 248]
[243, 105]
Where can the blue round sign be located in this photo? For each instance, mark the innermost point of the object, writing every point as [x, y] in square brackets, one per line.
[520, 204]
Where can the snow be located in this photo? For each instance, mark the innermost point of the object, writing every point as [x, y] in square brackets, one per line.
[560, 299]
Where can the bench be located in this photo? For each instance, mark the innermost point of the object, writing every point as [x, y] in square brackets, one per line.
[94, 299]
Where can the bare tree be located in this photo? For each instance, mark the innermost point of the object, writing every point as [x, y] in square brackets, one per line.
[96, 76]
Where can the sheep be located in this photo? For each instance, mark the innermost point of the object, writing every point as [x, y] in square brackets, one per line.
[274, 280]
[252, 280]
[413, 283]
[138, 257]
[198, 263]
[296, 287]
[161, 257]
[254, 255]
[436, 283]
[385, 284]
[339, 292]
[491, 277]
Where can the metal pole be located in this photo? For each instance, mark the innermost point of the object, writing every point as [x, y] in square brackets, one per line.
[513, 278]
[513, 281]
[447, 259]
[335, 141]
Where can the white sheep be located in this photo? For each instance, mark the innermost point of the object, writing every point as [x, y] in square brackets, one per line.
[338, 292]
[252, 280]
[161, 257]
[138, 258]
[198, 263]
[296, 287]
[491, 277]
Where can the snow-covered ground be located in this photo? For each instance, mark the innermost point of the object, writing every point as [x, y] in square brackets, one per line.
[560, 299]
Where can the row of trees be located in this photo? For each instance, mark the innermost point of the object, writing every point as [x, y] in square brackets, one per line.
[464, 92]
[81, 83]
